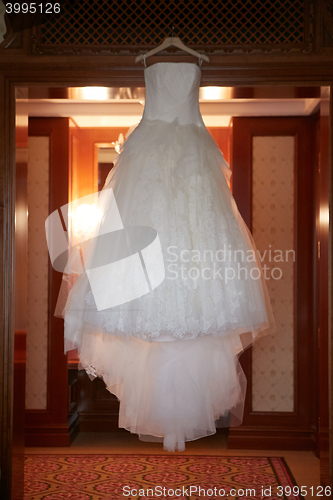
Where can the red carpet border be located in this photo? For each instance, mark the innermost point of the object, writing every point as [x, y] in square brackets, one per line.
[143, 477]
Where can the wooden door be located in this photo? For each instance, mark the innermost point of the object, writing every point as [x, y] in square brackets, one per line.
[288, 424]
[46, 415]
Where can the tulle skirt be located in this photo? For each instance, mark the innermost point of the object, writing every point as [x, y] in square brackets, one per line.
[171, 354]
[171, 391]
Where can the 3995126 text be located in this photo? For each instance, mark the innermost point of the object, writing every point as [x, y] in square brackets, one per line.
[32, 8]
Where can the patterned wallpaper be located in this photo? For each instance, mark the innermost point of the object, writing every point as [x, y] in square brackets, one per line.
[38, 210]
[273, 229]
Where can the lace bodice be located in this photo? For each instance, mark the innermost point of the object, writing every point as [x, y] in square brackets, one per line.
[172, 93]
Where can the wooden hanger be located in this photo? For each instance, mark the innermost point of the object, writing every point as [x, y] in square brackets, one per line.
[168, 42]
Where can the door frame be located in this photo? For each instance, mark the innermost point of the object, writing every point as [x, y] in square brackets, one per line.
[66, 75]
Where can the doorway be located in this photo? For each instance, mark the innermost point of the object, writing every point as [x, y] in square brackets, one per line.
[321, 97]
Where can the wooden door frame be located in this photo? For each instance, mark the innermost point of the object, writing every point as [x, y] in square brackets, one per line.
[67, 74]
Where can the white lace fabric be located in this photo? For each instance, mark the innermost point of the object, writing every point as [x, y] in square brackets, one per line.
[171, 176]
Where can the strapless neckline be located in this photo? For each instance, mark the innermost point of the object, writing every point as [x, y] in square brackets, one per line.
[173, 64]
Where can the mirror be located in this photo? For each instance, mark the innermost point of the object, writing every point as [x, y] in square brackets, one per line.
[105, 154]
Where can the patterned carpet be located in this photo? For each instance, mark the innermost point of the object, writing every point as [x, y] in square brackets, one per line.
[111, 477]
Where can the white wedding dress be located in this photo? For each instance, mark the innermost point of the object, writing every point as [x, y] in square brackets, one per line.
[171, 355]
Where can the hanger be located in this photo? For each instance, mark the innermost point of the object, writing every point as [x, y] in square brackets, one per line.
[168, 42]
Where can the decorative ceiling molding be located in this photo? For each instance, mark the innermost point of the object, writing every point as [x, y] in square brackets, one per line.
[114, 113]
[329, 6]
[327, 22]
[234, 26]
[3, 27]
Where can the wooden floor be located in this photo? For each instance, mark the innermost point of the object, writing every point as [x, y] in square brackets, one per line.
[304, 465]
